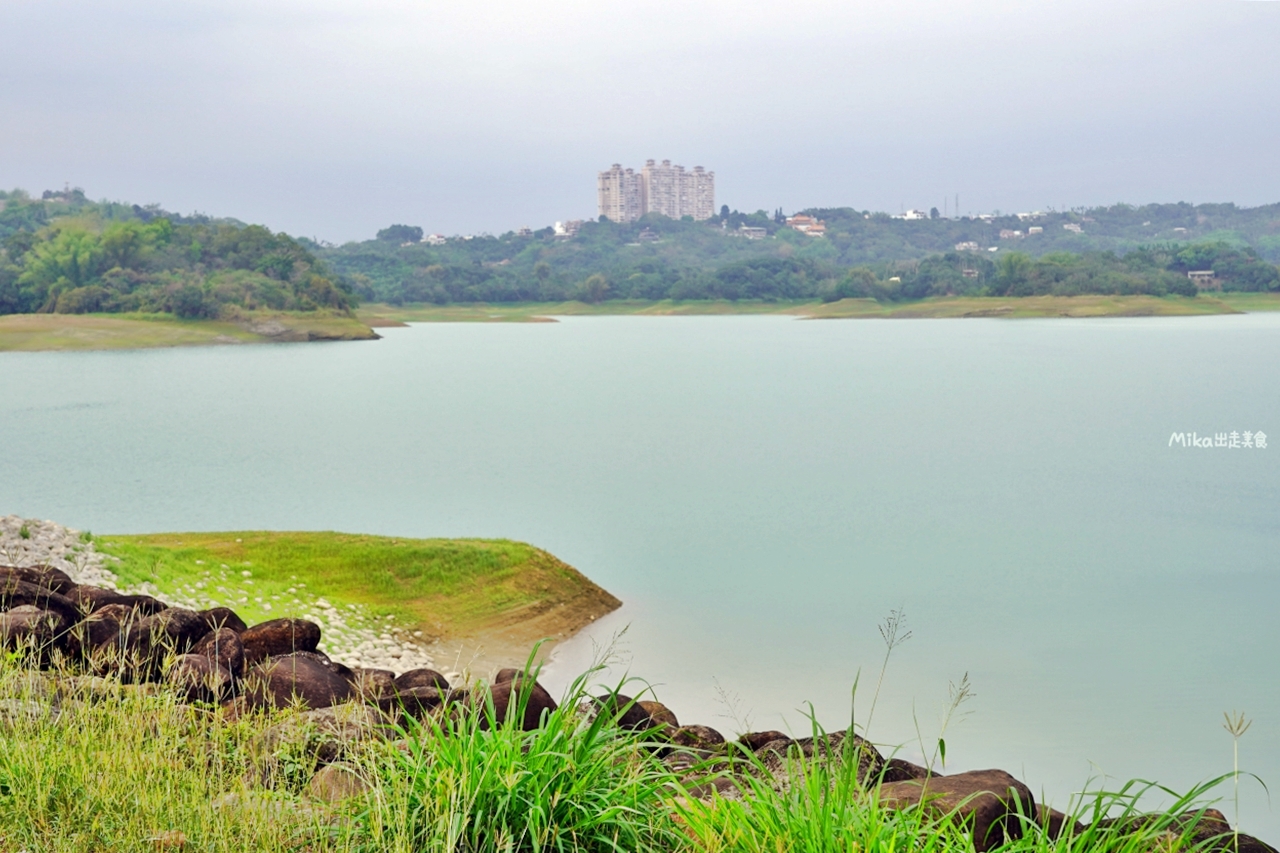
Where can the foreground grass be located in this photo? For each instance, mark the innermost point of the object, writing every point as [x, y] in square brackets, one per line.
[126, 768]
[442, 587]
[123, 770]
[42, 332]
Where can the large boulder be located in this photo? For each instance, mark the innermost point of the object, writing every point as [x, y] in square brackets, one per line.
[623, 710]
[222, 617]
[89, 599]
[702, 738]
[279, 637]
[417, 702]
[660, 716]
[54, 580]
[281, 682]
[425, 678]
[755, 740]
[31, 628]
[507, 699]
[990, 804]
[222, 646]
[371, 683]
[171, 631]
[17, 593]
[102, 633]
[198, 678]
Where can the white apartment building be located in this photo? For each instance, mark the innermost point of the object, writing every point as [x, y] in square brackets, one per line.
[623, 195]
[619, 194]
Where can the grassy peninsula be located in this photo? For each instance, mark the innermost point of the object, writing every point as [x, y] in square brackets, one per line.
[495, 598]
[43, 332]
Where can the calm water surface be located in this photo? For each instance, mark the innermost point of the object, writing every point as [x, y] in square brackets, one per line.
[761, 492]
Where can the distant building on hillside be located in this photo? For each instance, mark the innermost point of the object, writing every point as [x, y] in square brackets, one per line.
[435, 239]
[1006, 234]
[911, 214]
[752, 233]
[967, 246]
[807, 225]
[1205, 279]
[1073, 227]
[624, 195]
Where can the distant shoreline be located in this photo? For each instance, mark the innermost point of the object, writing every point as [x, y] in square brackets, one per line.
[85, 332]
[1090, 305]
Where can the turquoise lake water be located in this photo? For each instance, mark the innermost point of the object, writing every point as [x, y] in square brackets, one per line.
[761, 492]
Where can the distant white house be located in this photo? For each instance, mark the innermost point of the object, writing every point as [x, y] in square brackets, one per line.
[1035, 229]
[435, 239]
[911, 214]
[751, 232]
[967, 246]
[1073, 227]
[1205, 279]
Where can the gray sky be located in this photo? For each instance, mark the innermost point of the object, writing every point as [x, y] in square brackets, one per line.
[332, 118]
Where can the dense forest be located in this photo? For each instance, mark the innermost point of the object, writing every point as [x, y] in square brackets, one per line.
[65, 253]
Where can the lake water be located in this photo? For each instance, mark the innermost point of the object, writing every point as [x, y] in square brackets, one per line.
[761, 492]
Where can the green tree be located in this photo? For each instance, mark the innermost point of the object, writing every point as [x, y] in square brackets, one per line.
[401, 234]
[594, 289]
[1013, 275]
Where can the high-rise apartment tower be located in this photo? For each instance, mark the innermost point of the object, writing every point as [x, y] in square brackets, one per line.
[624, 196]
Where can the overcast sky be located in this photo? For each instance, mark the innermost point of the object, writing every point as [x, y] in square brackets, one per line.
[332, 118]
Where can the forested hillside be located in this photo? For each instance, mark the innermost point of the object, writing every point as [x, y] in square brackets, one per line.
[1111, 250]
[66, 254]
